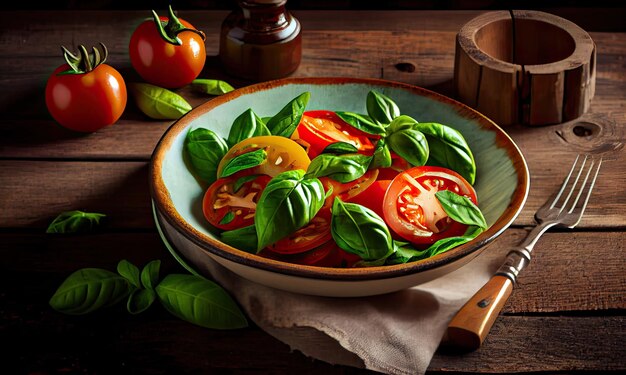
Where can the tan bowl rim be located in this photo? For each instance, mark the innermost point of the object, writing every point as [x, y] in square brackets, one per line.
[166, 207]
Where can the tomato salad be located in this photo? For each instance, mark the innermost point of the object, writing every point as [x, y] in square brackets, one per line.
[338, 189]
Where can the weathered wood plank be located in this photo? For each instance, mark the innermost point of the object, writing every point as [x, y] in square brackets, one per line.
[32, 194]
[528, 344]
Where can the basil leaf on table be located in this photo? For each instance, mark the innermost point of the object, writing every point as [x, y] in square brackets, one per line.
[130, 272]
[340, 148]
[140, 300]
[341, 168]
[461, 209]
[362, 122]
[246, 125]
[89, 289]
[381, 157]
[288, 202]
[381, 108]
[359, 230]
[75, 222]
[286, 121]
[211, 86]
[157, 102]
[449, 149]
[244, 238]
[244, 161]
[199, 301]
[150, 274]
[411, 145]
[205, 149]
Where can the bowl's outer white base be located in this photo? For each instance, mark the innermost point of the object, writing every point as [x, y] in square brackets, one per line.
[200, 259]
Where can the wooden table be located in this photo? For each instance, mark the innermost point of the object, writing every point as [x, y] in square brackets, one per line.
[567, 313]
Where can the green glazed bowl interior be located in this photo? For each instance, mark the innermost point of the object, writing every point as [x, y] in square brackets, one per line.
[502, 179]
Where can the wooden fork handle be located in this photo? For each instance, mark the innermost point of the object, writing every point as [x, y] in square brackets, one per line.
[472, 323]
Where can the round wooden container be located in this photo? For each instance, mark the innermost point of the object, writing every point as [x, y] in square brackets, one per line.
[525, 67]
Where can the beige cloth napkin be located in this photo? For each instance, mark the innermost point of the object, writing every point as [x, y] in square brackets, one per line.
[396, 333]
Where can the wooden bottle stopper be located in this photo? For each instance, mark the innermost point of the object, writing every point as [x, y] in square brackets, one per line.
[260, 41]
[525, 67]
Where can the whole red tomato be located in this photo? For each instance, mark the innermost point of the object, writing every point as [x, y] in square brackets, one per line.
[85, 94]
[167, 52]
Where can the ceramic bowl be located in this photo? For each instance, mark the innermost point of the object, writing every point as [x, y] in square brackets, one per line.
[502, 183]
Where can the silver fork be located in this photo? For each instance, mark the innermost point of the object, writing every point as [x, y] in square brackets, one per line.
[472, 323]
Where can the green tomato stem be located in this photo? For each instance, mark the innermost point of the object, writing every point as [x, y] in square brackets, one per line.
[170, 29]
[84, 62]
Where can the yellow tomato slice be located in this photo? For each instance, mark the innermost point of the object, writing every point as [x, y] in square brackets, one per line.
[283, 154]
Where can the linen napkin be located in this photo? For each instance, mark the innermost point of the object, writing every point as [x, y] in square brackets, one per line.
[395, 333]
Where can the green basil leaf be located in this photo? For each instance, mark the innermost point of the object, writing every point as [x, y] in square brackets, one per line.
[211, 86]
[244, 239]
[88, 290]
[140, 300]
[288, 202]
[411, 145]
[340, 148]
[150, 274]
[205, 149]
[360, 231]
[74, 222]
[381, 108]
[242, 180]
[341, 168]
[286, 121]
[404, 252]
[246, 125]
[381, 157]
[130, 272]
[199, 301]
[362, 122]
[449, 149]
[244, 161]
[400, 123]
[461, 209]
[157, 102]
[230, 216]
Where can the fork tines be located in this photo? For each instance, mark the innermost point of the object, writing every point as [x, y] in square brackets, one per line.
[578, 184]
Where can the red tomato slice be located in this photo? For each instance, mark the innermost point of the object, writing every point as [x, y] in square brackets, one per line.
[318, 129]
[412, 210]
[346, 192]
[325, 255]
[398, 165]
[373, 196]
[227, 209]
[314, 234]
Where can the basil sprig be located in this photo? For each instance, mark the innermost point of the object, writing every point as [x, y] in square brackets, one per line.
[408, 142]
[341, 168]
[461, 209]
[244, 161]
[205, 149]
[157, 102]
[381, 157]
[75, 222]
[286, 121]
[246, 125]
[288, 202]
[244, 238]
[340, 148]
[189, 297]
[359, 230]
[405, 252]
[211, 86]
[381, 108]
[449, 149]
[362, 122]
